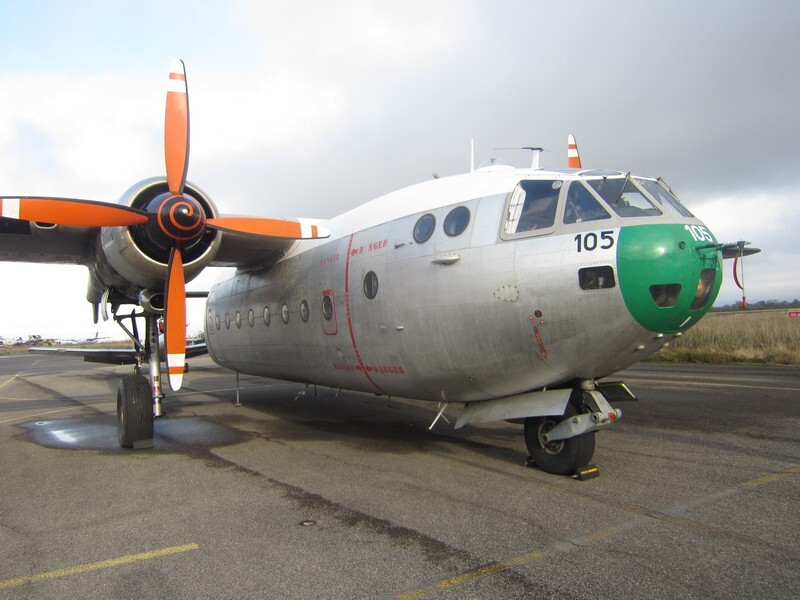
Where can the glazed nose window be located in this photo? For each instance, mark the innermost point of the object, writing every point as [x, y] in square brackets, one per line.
[704, 287]
[666, 295]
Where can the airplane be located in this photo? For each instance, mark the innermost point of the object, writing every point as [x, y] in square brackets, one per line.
[508, 291]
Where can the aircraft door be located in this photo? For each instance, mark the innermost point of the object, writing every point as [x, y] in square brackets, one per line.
[328, 308]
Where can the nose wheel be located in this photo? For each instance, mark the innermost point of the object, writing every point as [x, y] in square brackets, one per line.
[560, 457]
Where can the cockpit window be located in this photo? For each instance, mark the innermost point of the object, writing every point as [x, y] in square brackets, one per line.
[533, 205]
[624, 197]
[582, 206]
[664, 197]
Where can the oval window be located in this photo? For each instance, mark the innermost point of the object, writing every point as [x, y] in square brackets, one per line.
[238, 319]
[266, 316]
[304, 311]
[251, 318]
[456, 221]
[370, 285]
[285, 313]
[327, 307]
[227, 321]
[216, 322]
[423, 230]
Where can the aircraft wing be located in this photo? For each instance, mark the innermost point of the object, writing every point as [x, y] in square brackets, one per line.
[242, 249]
[25, 242]
[112, 356]
[22, 241]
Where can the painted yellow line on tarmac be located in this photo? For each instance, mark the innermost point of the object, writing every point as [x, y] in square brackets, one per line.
[96, 566]
[773, 477]
[585, 540]
[47, 412]
[10, 379]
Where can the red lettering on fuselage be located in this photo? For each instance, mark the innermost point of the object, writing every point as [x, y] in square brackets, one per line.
[327, 260]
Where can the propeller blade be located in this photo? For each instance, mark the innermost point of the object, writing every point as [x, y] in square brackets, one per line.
[176, 128]
[175, 320]
[277, 228]
[573, 157]
[68, 211]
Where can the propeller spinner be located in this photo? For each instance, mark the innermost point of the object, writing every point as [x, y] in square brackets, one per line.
[173, 222]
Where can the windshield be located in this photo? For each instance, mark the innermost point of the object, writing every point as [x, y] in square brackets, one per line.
[622, 195]
[582, 206]
[661, 193]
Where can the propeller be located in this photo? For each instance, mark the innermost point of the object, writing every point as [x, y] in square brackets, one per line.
[174, 218]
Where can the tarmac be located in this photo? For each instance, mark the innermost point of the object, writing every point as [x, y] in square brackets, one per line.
[312, 495]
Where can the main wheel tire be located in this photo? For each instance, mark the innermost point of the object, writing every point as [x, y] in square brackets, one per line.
[134, 411]
[561, 457]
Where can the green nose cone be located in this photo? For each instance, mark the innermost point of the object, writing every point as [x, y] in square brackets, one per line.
[667, 278]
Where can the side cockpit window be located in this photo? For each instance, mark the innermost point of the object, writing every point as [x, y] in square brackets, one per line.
[624, 198]
[533, 206]
[662, 194]
[582, 206]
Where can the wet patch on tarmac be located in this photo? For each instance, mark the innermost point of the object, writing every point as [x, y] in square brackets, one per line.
[100, 433]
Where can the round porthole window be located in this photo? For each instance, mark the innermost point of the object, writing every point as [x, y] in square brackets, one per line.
[304, 311]
[423, 230]
[251, 318]
[456, 221]
[227, 321]
[327, 308]
[285, 313]
[266, 316]
[370, 285]
[238, 319]
[216, 321]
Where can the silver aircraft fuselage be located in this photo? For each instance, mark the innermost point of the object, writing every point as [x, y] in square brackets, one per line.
[475, 287]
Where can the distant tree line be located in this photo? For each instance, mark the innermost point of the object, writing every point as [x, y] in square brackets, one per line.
[760, 305]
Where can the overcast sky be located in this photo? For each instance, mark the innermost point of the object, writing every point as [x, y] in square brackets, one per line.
[311, 108]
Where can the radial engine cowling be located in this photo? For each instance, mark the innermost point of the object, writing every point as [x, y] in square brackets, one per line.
[138, 255]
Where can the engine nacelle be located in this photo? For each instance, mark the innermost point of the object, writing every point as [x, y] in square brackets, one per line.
[129, 261]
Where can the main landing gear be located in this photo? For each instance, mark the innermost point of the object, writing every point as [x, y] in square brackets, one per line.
[139, 399]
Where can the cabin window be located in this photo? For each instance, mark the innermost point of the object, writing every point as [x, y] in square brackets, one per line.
[285, 314]
[227, 321]
[533, 206]
[238, 320]
[327, 307]
[216, 322]
[456, 221]
[424, 228]
[251, 318]
[371, 285]
[596, 278]
[625, 199]
[304, 311]
[267, 316]
[582, 206]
